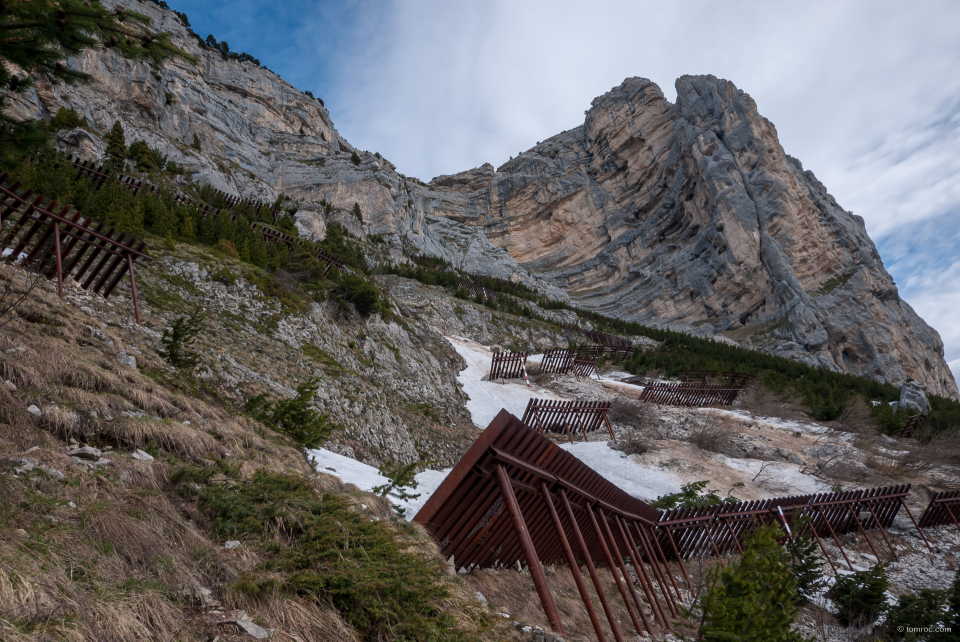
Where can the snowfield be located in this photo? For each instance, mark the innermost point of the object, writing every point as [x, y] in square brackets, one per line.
[487, 398]
[645, 477]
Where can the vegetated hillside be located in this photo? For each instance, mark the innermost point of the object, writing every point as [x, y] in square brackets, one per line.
[688, 214]
[109, 542]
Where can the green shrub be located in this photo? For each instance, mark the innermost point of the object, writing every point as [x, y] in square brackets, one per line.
[691, 495]
[67, 119]
[294, 417]
[116, 143]
[358, 291]
[196, 143]
[177, 341]
[146, 158]
[753, 599]
[356, 211]
[913, 613]
[860, 597]
[354, 158]
[319, 546]
[805, 559]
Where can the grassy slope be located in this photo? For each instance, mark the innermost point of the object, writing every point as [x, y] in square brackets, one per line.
[126, 551]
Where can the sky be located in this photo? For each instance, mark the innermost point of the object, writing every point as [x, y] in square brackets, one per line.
[865, 94]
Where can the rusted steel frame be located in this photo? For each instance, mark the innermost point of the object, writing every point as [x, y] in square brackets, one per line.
[641, 576]
[40, 244]
[823, 548]
[56, 242]
[133, 289]
[474, 508]
[119, 274]
[952, 516]
[612, 565]
[533, 562]
[20, 224]
[606, 420]
[882, 531]
[653, 542]
[106, 239]
[835, 539]
[683, 567]
[654, 565]
[645, 581]
[84, 246]
[507, 458]
[572, 562]
[915, 525]
[42, 250]
[71, 242]
[736, 540]
[112, 264]
[598, 586]
[853, 513]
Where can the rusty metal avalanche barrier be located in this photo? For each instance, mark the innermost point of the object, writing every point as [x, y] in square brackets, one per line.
[63, 244]
[559, 361]
[683, 394]
[478, 291]
[567, 417]
[99, 175]
[584, 366]
[944, 508]
[508, 365]
[517, 496]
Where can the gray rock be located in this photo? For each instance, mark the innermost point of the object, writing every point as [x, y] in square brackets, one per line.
[9, 385]
[52, 472]
[127, 359]
[824, 451]
[100, 463]
[142, 455]
[33, 410]
[86, 452]
[255, 630]
[231, 544]
[913, 398]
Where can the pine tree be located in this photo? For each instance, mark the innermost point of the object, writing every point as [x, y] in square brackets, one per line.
[38, 38]
[294, 417]
[177, 341]
[196, 143]
[805, 559]
[116, 143]
[354, 158]
[356, 211]
[860, 597]
[754, 599]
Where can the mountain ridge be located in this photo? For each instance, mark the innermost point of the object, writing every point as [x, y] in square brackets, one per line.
[685, 215]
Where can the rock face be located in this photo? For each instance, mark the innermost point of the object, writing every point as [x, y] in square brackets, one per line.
[689, 214]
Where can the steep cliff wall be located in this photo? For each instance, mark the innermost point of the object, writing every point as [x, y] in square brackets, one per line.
[689, 215]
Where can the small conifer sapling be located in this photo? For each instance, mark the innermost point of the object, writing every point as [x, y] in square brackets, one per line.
[177, 341]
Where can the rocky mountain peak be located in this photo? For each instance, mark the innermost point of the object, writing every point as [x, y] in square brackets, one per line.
[688, 214]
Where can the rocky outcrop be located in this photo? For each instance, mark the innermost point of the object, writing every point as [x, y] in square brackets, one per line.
[688, 215]
[691, 215]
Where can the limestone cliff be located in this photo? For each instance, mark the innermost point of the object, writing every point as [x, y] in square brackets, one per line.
[691, 214]
[686, 214]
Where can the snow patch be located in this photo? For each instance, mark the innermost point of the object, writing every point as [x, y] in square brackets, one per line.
[640, 481]
[366, 477]
[487, 398]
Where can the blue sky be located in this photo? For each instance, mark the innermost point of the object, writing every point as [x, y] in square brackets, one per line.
[865, 94]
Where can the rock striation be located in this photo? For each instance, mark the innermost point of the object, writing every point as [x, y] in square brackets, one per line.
[691, 215]
[688, 215]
